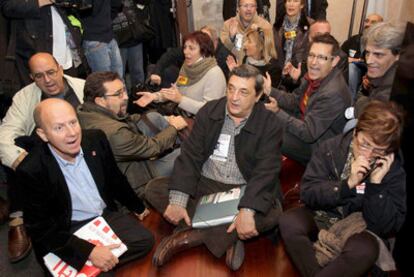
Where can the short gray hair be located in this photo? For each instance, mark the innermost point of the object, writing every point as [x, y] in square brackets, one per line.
[387, 35]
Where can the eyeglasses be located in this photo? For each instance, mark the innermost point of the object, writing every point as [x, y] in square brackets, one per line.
[247, 6]
[119, 93]
[319, 58]
[52, 73]
[366, 147]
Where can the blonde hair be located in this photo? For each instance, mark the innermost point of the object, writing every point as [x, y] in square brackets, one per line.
[263, 39]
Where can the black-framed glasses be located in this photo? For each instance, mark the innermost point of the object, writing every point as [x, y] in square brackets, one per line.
[119, 93]
[52, 73]
[320, 58]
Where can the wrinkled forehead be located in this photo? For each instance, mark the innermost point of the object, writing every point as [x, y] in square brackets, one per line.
[241, 2]
[43, 64]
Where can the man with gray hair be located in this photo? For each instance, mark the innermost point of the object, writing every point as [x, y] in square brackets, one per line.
[382, 44]
[235, 141]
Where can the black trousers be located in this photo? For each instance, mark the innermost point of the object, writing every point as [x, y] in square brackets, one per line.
[14, 189]
[299, 231]
[136, 237]
[216, 238]
[296, 149]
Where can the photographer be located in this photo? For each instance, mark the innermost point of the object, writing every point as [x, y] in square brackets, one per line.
[40, 26]
[355, 186]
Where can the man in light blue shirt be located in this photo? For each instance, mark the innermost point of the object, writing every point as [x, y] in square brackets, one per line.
[69, 180]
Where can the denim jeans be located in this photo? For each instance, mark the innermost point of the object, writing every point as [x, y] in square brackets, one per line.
[132, 56]
[103, 56]
[165, 164]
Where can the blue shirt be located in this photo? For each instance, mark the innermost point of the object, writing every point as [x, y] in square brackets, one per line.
[86, 200]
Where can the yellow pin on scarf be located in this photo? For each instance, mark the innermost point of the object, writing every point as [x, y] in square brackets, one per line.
[290, 34]
[182, 80]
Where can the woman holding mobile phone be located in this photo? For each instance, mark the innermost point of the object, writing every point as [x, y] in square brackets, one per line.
[356, 174]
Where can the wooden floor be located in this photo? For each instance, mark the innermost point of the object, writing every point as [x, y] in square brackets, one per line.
[263, 256]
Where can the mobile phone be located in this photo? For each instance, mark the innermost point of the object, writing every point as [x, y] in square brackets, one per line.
[372, 166]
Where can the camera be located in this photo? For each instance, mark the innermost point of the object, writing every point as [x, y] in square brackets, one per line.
[74, 4]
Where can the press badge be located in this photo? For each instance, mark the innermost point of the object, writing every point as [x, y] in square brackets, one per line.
[222, 148]
[360, 189]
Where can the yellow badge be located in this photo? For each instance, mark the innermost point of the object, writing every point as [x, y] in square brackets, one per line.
[290, 35]
[182, 80]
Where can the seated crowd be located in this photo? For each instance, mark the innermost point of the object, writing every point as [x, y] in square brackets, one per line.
[228, 108]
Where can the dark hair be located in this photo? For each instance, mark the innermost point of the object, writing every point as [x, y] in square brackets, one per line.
[303, 20]
[203, 40]
[327, 39]
[94, 85]
[383, 122]
[248, 71]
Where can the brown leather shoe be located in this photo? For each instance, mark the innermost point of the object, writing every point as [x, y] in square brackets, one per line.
[19, 243]
[4, 210]
[235, 255]
[175, 243]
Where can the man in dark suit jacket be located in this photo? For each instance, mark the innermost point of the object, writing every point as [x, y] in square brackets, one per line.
[71, 179]
[235, 141]
[314, 111]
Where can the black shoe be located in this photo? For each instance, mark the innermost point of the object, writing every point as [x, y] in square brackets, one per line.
[235, 255]
[4, 210]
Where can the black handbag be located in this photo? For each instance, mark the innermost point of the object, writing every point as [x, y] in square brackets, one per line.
[132, 24]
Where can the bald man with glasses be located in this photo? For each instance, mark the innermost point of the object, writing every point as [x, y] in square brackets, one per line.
[17, 136]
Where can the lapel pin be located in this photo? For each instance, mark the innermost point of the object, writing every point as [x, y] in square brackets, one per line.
[93, 153]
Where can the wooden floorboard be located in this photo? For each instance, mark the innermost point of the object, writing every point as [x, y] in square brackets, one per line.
[263, 257]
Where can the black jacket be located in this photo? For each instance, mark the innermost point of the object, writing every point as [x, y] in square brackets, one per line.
[324, 115]
[257, 149]
[34, 31]
[380, 89]
[353, 43]
[48, 207]
[383, 205]
[97, 21]
[273, 68]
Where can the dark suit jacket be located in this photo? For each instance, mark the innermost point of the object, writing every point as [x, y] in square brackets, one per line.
[47, 205]
[257, 151]
[324, 115]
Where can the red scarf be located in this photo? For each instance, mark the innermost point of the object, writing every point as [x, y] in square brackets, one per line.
[313, 85]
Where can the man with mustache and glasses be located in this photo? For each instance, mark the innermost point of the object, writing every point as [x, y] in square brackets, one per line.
[137, 147]
[314, 111]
